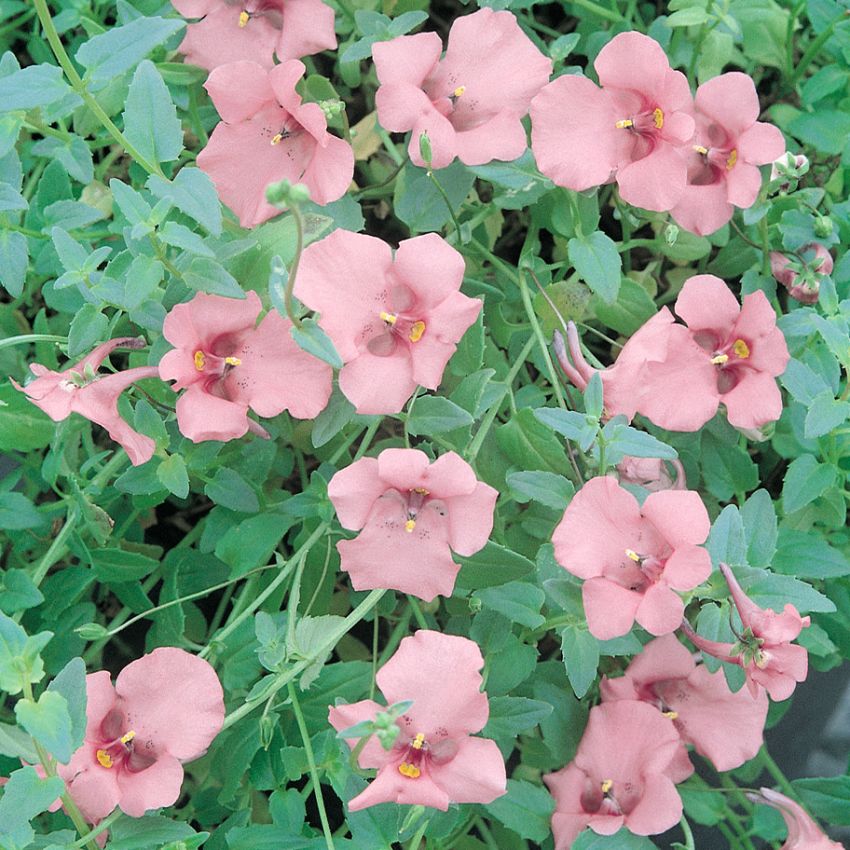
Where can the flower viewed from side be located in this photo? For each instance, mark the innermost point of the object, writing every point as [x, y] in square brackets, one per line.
[267, 135]
[164, 710]
[724, 727]
[470, 102]
[228, 364]
[81, 389]
[763, 649]
[803, 832]
[801, 275]
[631, 129]
[395, 322]
[723, 158]
[633, 558]
[254, 30]
[435, 760]
[411, 515]
[651, 473]
[787, 170]
[624, 774]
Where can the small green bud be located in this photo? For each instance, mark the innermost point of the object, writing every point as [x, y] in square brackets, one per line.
[387, 737]
[92, 631]
[823, 226]
[268, 722]
[285, 194]
[332, 108]
[671, 234]
[425, 148]
[474, 604]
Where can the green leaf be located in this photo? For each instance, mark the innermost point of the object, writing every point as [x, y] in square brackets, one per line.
[622, 440]
[17, 512]
[150, 118]
[111, 53]
[469, 356]
[529, 444]
[18, 593]
[726, 541]
[510, 716]
[827, 798]
[73, 153]
[436, 415]
[806, 554]
[70, 682]
[760, 528]
[825, 130]
[173, 476]
[49, 723]
[526, 809]
[312, 339]
[548, 488]
[15, 743]
[689, 17]
[14, 257]
[150, 831]
[23, 426]
[518, 184]
[19, 655]
[519, 601]
[493, 565]
[111, 565]
[581, 657]
[206, 275]
[805, 480]
[825, 414]
[339, 412]
[418, 202]
[622, 840]
[631, 309]
[598, 263]
[193, 193]
[25, 795]
[250, 544]
[88, 328]
[775, 591]
[35, 85]
[230, 490]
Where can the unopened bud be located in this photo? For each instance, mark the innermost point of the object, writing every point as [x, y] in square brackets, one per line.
[332, 108]
[92, 631]
[425, 149]
[823, 226]
[671, 234]
[285, 194]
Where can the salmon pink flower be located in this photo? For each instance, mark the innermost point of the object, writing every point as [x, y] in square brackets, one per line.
[80, 389]
[471, 102]
[411, 514]
[164, 710]
[267, 135]
[254, 30]
[727, 147]
[394, 322]
[435, 760]
[633, 558]
[803, 832]
[724, 727]
[801, 275]
[623, 774]
[763, 649]
[228, 364]
[630, 130]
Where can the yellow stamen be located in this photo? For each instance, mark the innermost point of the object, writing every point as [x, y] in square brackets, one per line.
[233, 361]
[200, 360]
[458, 91]
[700, 149]
[624, 124]
[719, 360]
[733, 158]
[389, 318]
[741, 349]
[421, 491]
[410, 525]
[418, 741]
[671, 714]
[125, 739]
[276, 139]
[658, 118]
[416, 331]
[244, 17]
[633, 556]
[104, 759]
[409, 770]
[607, 785]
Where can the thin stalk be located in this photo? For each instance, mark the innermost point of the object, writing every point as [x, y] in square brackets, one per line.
[776, 772]
[600, 11]
[99, 829]
[814, 48]
[417, 612]
[689, 835]
[293, 271]
[447, 202]
[25, 339]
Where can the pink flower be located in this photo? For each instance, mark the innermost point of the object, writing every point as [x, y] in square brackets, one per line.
[472, 101]
[764, 649]
[802, 274]
[623, 774]
[803, 832]
[255, 30]
[724, 727]
[394, 322]
[727, 147]
[651, 473]
[629, 130]
[228, 364]
[79, 389]
[435, 761]
[633, 558]
[164, 710]
[267, 135]
[411, 514]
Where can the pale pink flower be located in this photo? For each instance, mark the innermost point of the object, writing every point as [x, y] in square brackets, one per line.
[254, 30]
[803, 832]
[164, 710]
[411, 515]
[728, 146]
[803, 284]
[724, 727]
[630, 130]
[633, 558]
[471, 102]
[228, 364]
[80, 389]
[395, 322]
[623, 774]
[267, 135]
[764, 649]
[435, 760]
[651, 473]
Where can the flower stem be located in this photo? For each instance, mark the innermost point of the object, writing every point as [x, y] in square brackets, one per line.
[599, 11]
[776, 772]
[448, 203]
[814, 48]
[80, 88]
[293, 271]
[689, 836]
[25, 339]
[311, 764]
[97, 830]
[417, 612]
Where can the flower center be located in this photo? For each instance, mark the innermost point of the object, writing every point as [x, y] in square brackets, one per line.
[118, 748]
[732, 159]
[739, 349]
[645, 122]
[244, 17]
[413, 758]
[415, 500]
[413, 330]
[201, 360]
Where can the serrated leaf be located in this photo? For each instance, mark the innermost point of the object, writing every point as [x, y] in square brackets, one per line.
[548, 488]
[173, 476]
[805, 480]
[193, 193]
[598, 263]
[49, 723]
[526, 809]
[510, 716]
[150, 117]
[581, 658]
[436, 415]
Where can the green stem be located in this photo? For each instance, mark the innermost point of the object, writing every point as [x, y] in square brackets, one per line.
[25, 339]
[416, 841]
[814, 48]
[600, 11]
[776, 772]
[290, 281]
[311, 764]
[80, 88]
[689, 835]
[447, 202]
[417, 612]
[97, 830]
